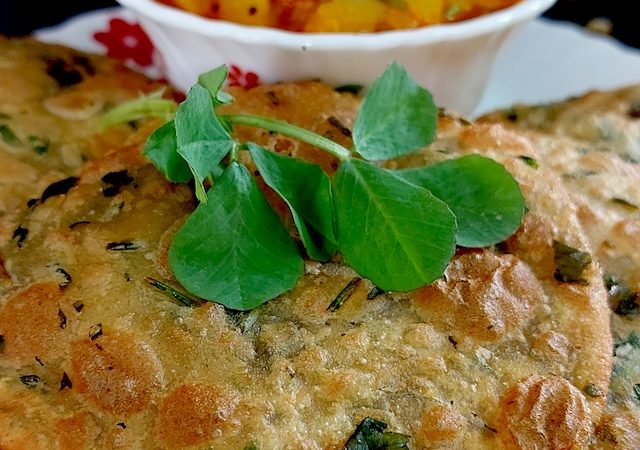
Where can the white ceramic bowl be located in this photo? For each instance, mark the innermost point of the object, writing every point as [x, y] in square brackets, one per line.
[453, 61]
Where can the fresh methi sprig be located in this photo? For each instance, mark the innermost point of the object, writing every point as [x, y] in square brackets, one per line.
[397, 228]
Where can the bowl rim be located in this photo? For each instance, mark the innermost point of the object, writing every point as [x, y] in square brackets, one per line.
[265, 36]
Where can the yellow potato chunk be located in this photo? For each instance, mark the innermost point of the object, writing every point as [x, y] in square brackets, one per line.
[200, 7]
[426, 11]
[397, 19]
[347, 16]
[330, 16]
[248, 12]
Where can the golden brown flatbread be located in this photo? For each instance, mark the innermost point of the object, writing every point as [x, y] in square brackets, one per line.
[592, 142]
[608, 120]
[497, 354]
[51, 99]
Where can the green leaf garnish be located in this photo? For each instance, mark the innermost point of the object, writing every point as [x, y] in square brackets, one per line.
[370, 435]
[388, 225]
[203, 159]
[484, 197]
[151, 105]
[234, 250]
[306, 189]
[212, 81]
[412, 245]
[201, 138]
[397, 117]
[162, 149]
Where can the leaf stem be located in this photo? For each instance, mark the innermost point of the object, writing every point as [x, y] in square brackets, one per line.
[234, 152]
[290, 130]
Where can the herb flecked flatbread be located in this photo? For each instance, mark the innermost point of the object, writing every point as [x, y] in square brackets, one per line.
[51, 100]
[608, 120]
[592, 142]
[101, 348]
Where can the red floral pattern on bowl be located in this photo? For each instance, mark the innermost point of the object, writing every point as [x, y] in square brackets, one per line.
[126, 41]
[238, 77]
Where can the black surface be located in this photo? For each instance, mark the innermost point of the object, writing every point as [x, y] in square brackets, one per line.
[623, 14]
[20, 17]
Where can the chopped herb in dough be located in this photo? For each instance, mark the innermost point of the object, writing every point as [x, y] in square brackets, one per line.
[122, 246]
[95, 331]
[622, 300]
[58, 188]
[529, 161]
[370, 435]
[8, 136]
[570, 263]
[20, 235]
[375, 292]
[623, 202]
[63, 319]
[30, 380]
[65, 382]
[173, 293]
[344, 294]
[592, 390]
[39, 144]
[115, 181]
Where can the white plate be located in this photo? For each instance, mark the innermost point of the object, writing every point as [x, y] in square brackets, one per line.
[545, 61]
[549, 61]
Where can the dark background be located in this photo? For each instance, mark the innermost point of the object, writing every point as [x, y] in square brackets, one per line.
[20, 17]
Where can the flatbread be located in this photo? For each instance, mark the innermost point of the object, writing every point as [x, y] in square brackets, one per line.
[498, 353]
[51, 99]
[608, 120]
[592, 142]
